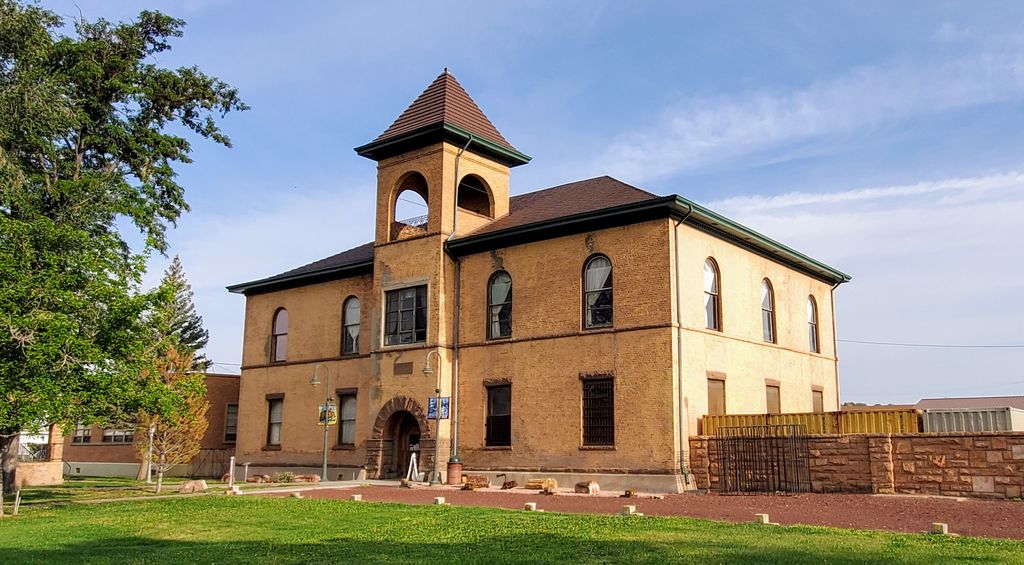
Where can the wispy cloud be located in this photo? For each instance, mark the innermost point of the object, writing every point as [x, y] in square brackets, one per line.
[932, 261]
[708, 131]
[954, 186]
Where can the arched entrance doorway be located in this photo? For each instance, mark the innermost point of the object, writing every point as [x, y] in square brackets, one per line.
[400, 430]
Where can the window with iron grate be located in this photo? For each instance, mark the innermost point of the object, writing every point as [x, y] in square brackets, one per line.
[599, 412]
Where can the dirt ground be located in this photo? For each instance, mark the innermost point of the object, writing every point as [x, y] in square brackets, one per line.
[985, 518]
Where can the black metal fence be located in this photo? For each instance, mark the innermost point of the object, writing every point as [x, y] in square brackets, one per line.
[773, 459]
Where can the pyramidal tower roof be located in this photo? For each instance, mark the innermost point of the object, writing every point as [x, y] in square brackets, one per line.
[443, 112]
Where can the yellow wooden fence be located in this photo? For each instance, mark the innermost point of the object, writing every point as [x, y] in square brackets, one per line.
[904, 421]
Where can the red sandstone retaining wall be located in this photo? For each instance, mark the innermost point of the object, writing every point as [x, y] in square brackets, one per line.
[986, 465]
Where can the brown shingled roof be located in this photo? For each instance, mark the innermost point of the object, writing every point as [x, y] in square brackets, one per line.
[565, 200]
[444, 101]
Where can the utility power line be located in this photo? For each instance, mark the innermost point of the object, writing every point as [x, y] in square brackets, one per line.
[935, 345]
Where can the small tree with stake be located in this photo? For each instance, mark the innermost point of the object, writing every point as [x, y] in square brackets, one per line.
[176, 441]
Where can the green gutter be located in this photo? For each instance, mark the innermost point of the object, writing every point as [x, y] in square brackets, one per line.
[760, 241]
[279, 282]
[655, 208]
[435, 133]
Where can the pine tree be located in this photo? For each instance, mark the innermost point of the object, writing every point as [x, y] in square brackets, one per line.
[175, 319]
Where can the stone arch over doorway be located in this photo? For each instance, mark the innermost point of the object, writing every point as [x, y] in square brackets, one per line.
[398, 421]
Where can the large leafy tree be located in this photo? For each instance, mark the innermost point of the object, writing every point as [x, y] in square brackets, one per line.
[91, 133]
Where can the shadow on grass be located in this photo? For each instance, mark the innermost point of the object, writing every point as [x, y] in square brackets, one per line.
[538, 548]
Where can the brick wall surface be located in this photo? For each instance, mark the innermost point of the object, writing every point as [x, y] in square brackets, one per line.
[983, 465]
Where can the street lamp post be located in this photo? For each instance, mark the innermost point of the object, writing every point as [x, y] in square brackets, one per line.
[427, 371]
[327, 410]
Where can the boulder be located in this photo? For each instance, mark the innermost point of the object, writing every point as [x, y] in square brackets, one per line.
[189, 487]
[587, 487]
[477, 481]
[314, 478]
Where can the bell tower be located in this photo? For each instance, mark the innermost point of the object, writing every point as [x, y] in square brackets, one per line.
[443, 133]
[441, 149]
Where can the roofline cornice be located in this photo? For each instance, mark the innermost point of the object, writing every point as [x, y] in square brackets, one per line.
[673, 206]
[325, 274]
[434, 133]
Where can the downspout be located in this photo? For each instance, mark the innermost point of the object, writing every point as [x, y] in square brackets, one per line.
[458, 303]
[835, 340]
[684, 466]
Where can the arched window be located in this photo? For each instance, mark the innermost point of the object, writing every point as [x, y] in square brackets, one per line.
[597, 292]
[712, 296]
[350, 326]
[767, 311]
[812, 325]
[499, 306]
[279, 336]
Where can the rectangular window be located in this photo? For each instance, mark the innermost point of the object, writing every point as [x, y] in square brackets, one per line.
[716, 397]
[231, 423]
[347, 420]
[405, 319]
[83, 434]
[817, 401]
[774, 399]
[117, 436]
[599, 412]
[499, 416]
[275, 415]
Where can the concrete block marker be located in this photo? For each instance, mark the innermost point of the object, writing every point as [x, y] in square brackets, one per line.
[530, 507]
[940, 528]
[357, 497]
[439, 500]
[761, 519]
[630, 510]
[296, 495]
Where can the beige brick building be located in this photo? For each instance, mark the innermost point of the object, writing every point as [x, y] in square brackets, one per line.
[581, 330]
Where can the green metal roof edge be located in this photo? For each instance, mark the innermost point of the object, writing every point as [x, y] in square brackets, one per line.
[645, 210]
[512, 156]
[278, 282]
[738, 230]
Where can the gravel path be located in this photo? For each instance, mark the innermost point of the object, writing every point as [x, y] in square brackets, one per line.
[986, 518]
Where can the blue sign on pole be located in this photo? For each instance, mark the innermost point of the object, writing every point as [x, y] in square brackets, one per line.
[432, 407]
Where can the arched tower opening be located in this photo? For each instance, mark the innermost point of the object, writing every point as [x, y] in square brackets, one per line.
[410, 206]
[475, 196]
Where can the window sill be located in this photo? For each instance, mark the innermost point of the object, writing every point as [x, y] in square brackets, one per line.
[600, 329]
[271, 448]
[497, 448]
[401, 346]
[597, 448]
[345, 447]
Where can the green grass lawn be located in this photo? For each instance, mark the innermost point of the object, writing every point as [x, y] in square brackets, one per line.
[223, 529]
[82, 489]
[94, 488]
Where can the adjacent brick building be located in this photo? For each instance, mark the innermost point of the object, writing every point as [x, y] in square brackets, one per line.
[111, 452]
[580, 330]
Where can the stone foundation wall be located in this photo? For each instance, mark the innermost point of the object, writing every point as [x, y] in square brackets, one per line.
[985, 465]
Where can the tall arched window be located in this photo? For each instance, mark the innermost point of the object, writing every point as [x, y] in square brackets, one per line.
[279, 336]
[712, 297]
[350, 326]
[597, 292]
[767, 311]
[812, 325]
[499, 306]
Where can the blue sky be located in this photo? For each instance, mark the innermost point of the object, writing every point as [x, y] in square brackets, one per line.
[885, 139]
